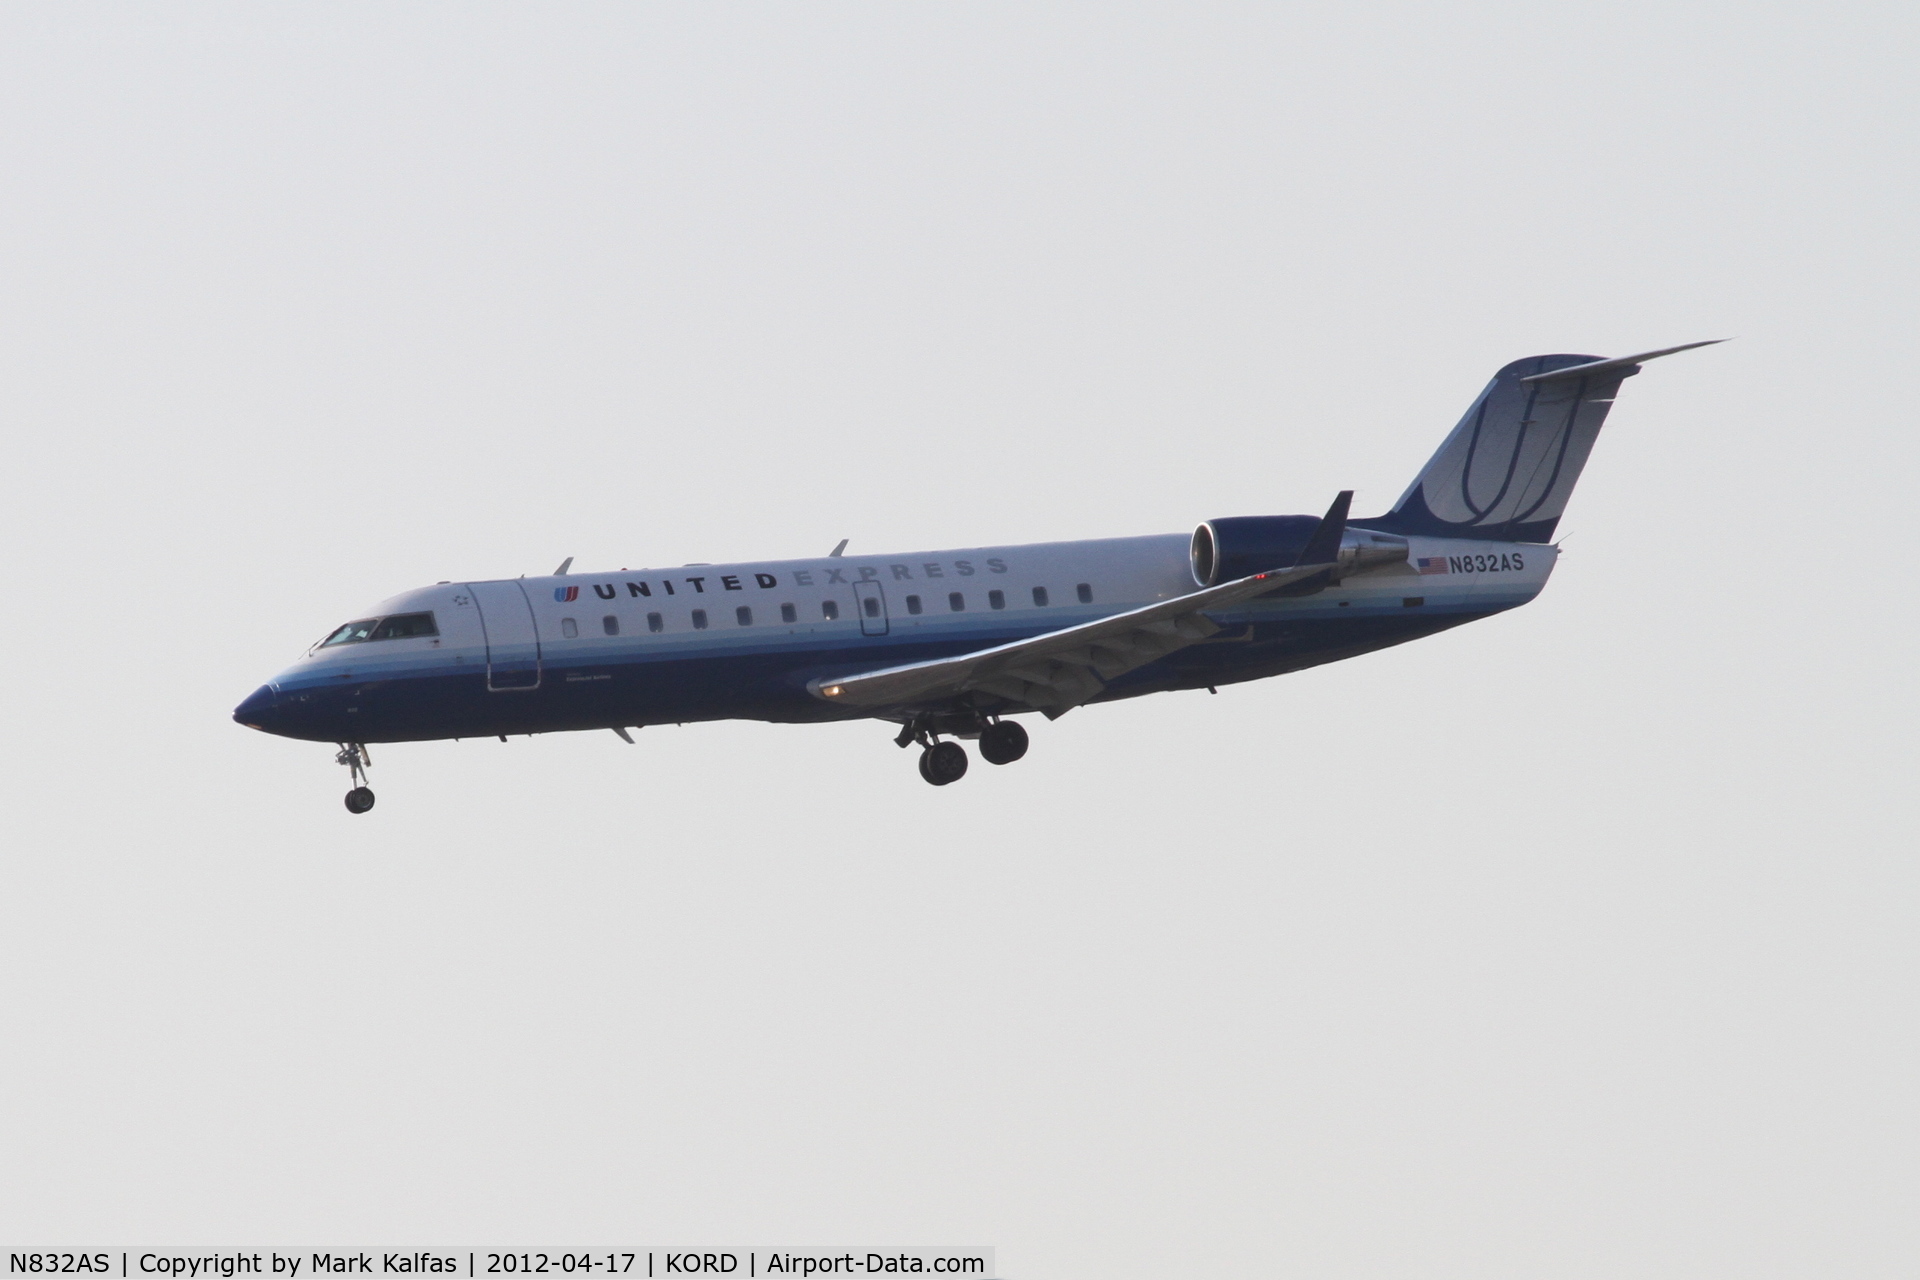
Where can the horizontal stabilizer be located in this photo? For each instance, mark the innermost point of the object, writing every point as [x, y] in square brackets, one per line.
[1618, 362]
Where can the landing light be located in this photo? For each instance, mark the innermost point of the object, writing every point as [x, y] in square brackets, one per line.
[833, 691]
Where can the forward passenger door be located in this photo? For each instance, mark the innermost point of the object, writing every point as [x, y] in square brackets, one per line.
[513, 641]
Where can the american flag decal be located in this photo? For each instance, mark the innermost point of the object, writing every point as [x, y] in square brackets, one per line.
[1431, 564]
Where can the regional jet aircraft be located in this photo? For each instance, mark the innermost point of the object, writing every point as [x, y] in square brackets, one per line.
[951, 645]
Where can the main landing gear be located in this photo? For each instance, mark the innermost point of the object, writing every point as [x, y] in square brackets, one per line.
[1001, 742]
[943, 762]
[354, 756]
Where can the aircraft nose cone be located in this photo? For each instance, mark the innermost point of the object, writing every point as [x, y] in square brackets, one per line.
[257, 711]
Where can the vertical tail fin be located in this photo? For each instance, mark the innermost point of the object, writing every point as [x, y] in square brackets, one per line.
[1506, 472]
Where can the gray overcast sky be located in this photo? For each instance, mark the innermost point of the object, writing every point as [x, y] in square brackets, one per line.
[1579, 942]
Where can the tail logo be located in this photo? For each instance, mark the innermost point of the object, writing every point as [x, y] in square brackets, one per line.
[1507, 469]
[566, 595]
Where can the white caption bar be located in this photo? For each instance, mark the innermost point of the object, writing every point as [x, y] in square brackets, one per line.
[631, 1263]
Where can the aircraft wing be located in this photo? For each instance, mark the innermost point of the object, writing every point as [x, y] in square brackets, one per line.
[1058, 671]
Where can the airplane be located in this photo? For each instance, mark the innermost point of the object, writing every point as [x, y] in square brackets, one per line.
[952, 645]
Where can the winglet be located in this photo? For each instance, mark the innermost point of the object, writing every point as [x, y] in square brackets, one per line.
[1324, 546]
[1618, 362]
[566, 564]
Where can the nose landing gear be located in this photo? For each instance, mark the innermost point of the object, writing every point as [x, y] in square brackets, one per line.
[354, 756]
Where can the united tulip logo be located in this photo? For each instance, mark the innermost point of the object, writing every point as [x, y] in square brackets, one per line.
[566, 595]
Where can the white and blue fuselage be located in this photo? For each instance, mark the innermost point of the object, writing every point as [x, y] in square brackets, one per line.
[745, 641]
[953, 643]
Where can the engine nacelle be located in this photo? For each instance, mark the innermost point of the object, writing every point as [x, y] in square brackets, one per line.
[1241, 545]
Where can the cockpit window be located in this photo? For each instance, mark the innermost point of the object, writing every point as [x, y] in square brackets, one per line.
[349, 634]
[397, 627]
[402, 625]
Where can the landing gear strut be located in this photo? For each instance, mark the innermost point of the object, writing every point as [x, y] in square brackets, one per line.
[1001, 742]
[354, 756]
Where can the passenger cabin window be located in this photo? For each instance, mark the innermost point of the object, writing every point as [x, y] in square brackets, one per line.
[1086, 592]
[656, 623]
[997, 599]
[1040, 596]
[351, 633]
[829, 609]
[913, 604]
[743, 615]
[610, 625]
[956, 601]
[403, 625]
[789, 614]
[699, 619]
[569, 628]
[873, 606]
